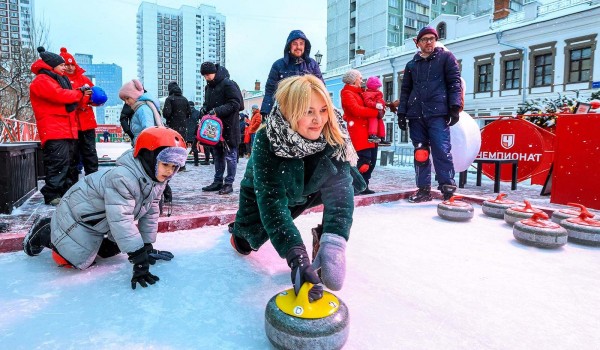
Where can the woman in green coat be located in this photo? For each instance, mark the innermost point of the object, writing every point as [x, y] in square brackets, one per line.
[301, 158]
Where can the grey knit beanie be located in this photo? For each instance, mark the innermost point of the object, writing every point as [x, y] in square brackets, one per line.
[351, 76]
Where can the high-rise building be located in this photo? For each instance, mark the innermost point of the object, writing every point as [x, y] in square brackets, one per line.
[15, 26]
[108, 76]
[371, 25]
[173, 43]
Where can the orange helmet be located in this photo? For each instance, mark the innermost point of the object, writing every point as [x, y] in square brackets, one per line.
[156, 137]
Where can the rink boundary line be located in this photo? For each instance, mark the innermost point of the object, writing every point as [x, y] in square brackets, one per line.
[11, 242]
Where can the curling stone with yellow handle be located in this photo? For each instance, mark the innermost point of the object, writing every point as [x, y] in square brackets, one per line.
[293, 322]
[514, 214]
[496, 207]
[455, 210]
[540, 232]
[559, 215]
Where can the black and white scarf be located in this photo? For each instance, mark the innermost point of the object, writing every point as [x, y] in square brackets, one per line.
[287, 143]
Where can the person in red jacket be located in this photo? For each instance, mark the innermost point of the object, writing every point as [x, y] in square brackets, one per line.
[255, 122]
[357, 115]
[86, 120]
[54, 102]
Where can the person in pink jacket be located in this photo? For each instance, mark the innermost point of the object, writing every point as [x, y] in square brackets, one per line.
[373, 98]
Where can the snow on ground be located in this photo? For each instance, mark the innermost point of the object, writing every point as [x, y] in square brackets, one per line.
[112, 150]
[414, 282]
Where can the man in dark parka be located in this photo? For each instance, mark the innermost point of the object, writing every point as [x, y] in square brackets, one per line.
[222, 98]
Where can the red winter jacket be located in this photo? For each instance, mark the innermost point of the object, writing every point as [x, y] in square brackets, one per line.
[255, 122]
[86, 119]
[48, 100]
[357, 115]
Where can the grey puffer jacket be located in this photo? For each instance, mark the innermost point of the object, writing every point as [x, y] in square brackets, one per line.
[107, 203]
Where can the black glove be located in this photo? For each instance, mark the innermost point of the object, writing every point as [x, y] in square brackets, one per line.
[453, 115]
[84, 88]
[154, 254]
[203, 111]
[212, 112]
[141, 269]
[402, 124]
[302, 271]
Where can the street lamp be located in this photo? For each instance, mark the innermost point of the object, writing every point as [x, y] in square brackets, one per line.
[318, 57]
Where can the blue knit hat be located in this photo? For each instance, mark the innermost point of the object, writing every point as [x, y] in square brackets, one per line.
[172, 155]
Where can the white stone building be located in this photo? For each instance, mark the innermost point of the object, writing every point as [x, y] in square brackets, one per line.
[540, 52]
[173, 43]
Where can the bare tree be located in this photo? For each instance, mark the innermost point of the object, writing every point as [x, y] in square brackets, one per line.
[16, 75]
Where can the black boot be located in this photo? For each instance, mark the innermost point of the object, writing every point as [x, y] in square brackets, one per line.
[215, 186]
[241, 245]
[226, 189]
[38, 237]
[448, 191]
[367, 191]
[422, 195]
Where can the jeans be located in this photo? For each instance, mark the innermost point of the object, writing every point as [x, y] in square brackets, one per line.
[435, 132]
[225, 156]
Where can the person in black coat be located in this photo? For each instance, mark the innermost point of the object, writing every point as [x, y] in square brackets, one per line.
[176, 109]
[191, 131]
[223, 98]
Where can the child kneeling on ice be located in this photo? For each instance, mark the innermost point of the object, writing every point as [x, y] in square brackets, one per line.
[96, 217]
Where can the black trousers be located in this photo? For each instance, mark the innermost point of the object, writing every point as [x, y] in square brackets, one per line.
[60, 166]
[86, 145]
[195, 151]
[367, 156]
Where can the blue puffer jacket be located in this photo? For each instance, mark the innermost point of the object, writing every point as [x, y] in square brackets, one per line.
[288, 66]
[431, 85]
[143, 117]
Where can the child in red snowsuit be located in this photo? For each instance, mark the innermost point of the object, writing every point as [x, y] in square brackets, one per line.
[373, 98]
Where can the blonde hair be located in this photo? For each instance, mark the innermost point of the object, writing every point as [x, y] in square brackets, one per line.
[293, 97]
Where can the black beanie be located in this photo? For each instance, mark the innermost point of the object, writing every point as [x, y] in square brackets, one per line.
[208, 68]
[50, 58]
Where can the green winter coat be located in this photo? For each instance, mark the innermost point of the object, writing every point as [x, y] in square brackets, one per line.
[273, 184]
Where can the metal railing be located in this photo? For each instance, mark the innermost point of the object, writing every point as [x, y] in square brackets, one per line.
[12, 130]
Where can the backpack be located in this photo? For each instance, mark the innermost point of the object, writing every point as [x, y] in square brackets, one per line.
[210, 130]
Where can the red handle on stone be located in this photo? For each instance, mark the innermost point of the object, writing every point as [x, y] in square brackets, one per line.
[585, 214]
[539, 216]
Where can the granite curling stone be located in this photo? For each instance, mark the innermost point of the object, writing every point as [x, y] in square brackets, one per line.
[559, 215]
[540, 232]
[292, 322]
[496, 207]
[455, 210]
[514, 214]
[583, 229]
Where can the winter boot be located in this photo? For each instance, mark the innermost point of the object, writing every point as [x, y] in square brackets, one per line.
[422, 195]
[226, 189]
[367, 191]
[373, 139]
[317, 232]
[448, 191]
[38, 237]
[215, 186]
[240, 245]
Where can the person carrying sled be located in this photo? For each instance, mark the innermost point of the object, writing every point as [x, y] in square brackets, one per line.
[97, 216]
[302, 158]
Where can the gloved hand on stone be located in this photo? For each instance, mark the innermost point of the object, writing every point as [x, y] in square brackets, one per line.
[141, 269]
[402, 123]
[453, 115]
[302, 271]
[154, 254]
[331, 259]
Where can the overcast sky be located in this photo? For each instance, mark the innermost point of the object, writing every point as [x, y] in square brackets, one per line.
[256, 31]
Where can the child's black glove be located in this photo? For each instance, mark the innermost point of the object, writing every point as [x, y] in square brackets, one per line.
[154, 254]
[141, 269]
[402, 121]
[302, 271]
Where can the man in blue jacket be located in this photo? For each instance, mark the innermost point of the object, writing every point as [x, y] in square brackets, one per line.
[430, 102]
[295, 61]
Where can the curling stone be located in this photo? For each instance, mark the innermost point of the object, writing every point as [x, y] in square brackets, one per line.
[292, 322]
[559, 215]
[496, 207]
[540, 232]
[583, 229]
[455, 210]
[514, 214]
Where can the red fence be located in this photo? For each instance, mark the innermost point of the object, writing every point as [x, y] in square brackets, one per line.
[12, 130]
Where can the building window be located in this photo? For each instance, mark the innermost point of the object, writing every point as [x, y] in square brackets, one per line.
[410, 5]
[484, 80]
[512, 74]
[393, 3]
[388, 90]
[410, 22]
[580, 65]
[542, 70]
[393, 38]
[441, 29]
